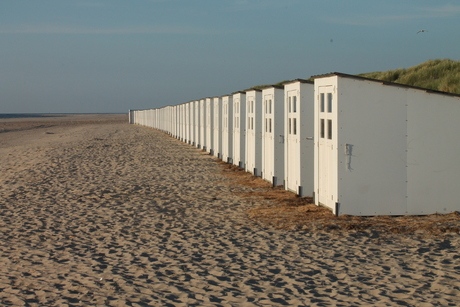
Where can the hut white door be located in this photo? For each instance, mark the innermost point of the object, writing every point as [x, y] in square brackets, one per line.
[327, 166]
[292, 143]
[236, 132]
[269, 145]
[250, 137]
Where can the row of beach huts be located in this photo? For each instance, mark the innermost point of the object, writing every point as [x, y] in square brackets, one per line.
[356, 145]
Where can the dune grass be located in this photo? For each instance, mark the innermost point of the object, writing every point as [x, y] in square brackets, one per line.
[440, 75]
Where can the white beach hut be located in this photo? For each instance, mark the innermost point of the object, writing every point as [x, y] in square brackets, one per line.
[169, 117]
[298, 137]
[197, 124]
[139, 115]
[165, 119]
[209, 146]
[273, 134]
[217, 127]
[131, 116]
[182, 122]
[161, 120]
[239, 129]
[254, 132]
[187, 123]
[192, 122]
[144, 118]
[227, 128]
[385, 148]
[151, 117]
[202, 114]
[176, 121]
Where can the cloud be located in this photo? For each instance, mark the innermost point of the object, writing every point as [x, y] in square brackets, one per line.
[257, 5]
[57, 29]
[447, 10]
[418, 13]
[90, 4]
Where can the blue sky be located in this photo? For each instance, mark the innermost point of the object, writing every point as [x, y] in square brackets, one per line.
[84, 56]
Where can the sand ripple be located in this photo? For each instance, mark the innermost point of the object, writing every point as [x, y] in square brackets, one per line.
[119, 215]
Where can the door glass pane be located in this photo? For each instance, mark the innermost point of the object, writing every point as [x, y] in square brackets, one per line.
[270, 125]
[322, 129]
[329, 102]
[294, 104]
[270, 105]
[329, 129]
[289, 105]
[289, 126]
[295, 125]
[321, 99]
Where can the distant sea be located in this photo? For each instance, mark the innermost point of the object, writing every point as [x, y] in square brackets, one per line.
[31, 115]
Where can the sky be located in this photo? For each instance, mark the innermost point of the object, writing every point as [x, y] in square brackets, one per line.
[109, 56]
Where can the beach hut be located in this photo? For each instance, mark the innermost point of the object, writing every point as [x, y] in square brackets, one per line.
[151, 115]
[217, 127]
[209, 146]
[164, 118]
[239, 129]
[227, 128]
[187, 123]
[131, 116]
[160, 111]
[134, 117]
[137, 116]
[197, 124]
[384, 148]
[192, 122]
[142, 117]
[175, 122]
[298, 137]
[183, 121]
[169, 117]
[273, 134]
[202, 114]
[152, 119]
[254, 132]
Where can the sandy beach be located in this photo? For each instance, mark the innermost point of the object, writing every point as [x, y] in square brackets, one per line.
[97, 212]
